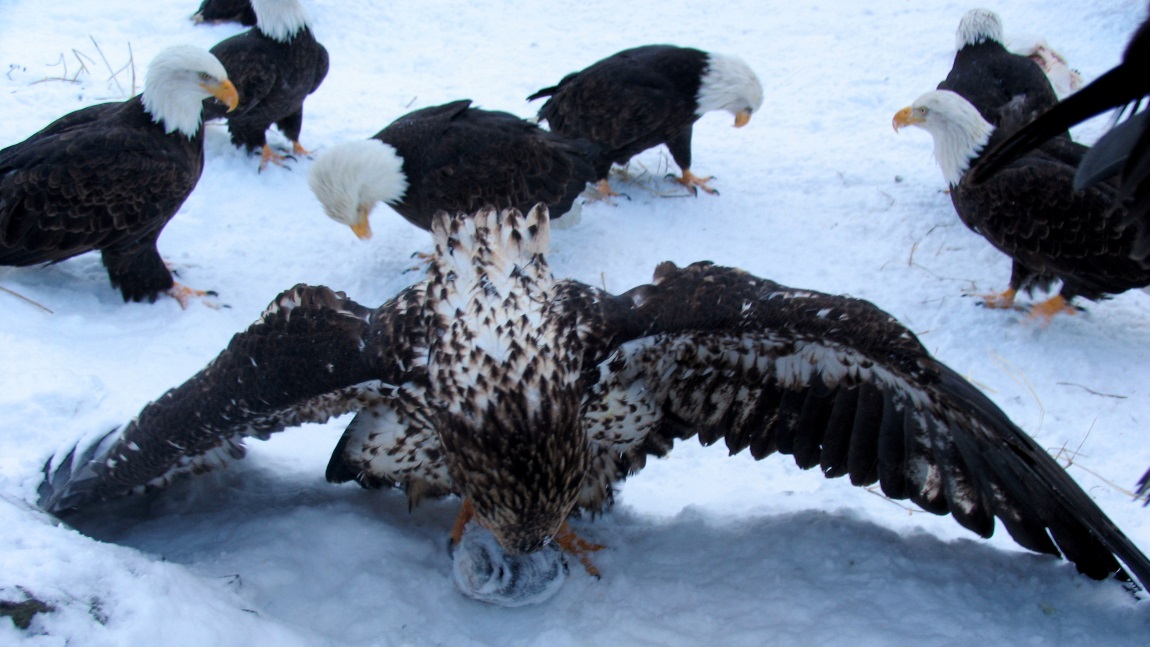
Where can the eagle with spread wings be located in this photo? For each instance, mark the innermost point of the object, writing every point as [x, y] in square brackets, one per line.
[530, 398]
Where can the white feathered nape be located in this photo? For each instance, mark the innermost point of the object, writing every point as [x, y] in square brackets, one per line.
[174, 88]
[280, 19]
[728, 84]
[976, 26]
[958, 130]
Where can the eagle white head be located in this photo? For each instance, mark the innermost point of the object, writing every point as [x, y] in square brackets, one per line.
[729, 84]
[976, 26]
[179, 78]
[351, 177]
[280, 19]
[958, 130]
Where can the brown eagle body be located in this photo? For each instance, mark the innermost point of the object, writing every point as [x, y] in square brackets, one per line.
[109, 177]
[1031, 211]
[456, 158]
[646, 96]
[531, 397]
[274, 71]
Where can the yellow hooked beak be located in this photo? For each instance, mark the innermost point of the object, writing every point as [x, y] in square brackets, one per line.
[905, 117]
[362, 227]
[225, 92]
[742, 117]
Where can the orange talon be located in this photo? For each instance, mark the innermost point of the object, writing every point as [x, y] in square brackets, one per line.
[185, 294]
[694, 182]
[269, 155]
[577, 546]
[298, 149]
[1001, 301]
[466, 514]
[1046, 310]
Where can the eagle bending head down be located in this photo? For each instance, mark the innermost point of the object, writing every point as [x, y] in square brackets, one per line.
[504, 365]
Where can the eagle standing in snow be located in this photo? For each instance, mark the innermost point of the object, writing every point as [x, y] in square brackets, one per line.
[990, 76]
[109, 177]
[275, 66]
[1124, 150]
[240, 11]
[452, 157]
[1030, 211]
[646, 96]
[530, 398]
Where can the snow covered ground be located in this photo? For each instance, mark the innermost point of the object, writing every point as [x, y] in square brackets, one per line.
[817, 192]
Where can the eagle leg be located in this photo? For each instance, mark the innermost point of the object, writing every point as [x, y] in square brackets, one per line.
[466, 514]
[694, 182]
[1046, 310]
[577, 546]
[1000, 301]
[185, 294]
[269, 155]
[298, 149]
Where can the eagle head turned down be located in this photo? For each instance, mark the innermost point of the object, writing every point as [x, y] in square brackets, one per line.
[504, 363]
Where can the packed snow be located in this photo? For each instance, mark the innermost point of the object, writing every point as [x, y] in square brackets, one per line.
[816, 192]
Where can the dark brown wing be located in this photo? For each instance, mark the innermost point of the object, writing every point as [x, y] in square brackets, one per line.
[837, 383]
[226, 11]
[105, 178]
[460, 158]
[312, 355]
[1031, 212]
[628, 102]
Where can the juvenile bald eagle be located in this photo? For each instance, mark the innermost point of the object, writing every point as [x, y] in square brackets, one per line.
[226, 11]
[275, 66]
[990, 76]
[1030, 211]
[452, 157]
[531, 397]
[646, 96]
[1125, 150]
[109, 177]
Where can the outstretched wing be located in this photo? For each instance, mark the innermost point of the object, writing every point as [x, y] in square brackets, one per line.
[313, 354]
[840, 384]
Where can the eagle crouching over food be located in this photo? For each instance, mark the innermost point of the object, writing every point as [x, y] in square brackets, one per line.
[531, 397]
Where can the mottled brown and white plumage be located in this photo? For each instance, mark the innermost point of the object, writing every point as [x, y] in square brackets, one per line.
[532, 397]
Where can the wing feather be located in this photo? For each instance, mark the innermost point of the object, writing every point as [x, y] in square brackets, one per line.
[312, 355]
[838, 383]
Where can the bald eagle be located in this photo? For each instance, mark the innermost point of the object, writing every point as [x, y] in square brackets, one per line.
[990, 76]
[109, 177]
[275, 66]
[531, 398]
[226, 11]
[1124, 150]
[1030, 212]
[452, 157]
[646, 96]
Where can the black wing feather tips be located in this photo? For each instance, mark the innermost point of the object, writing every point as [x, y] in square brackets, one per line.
[898, 418]
[703, 350]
